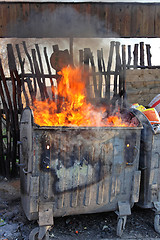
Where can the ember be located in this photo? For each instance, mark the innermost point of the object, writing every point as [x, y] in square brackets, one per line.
[73, 109]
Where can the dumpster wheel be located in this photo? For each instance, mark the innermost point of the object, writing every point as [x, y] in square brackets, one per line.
[157, 223]
[34, 235]
[121, 225]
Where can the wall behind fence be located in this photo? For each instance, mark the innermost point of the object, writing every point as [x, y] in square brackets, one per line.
[32, 19]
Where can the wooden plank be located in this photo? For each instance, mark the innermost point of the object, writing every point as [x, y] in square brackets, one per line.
[1, 21]
[104, 68]
[49, 71]
[31, 91]
[22, 70]
[135, 54]
[149, 55]
[107, 95]
[116, 20]
[142, 53]
[81, 57]
[126, 18]
[157, 21]
[31, 66]
[9, 102]
[134, 32]
[142, 23]
[124, 92]
[122, 19]
[14, 98]
[42, 71]
[15, 129]
[13, 11]
[86, 69]
[148, 14]
[108, 16]
[129, 57]
[25, 11]
[37, 71]
[99, 56]
[88, 52]
[2, 162]
[9, 118]
[13, 68]
[117, 71]
[4, 19]
[71, 50]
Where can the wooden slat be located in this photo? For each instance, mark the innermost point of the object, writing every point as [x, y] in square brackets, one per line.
[2, 162]
[157, 21]
[99, 56]
[149, 55]
[9, 118]
[108, 16]
[13, 68]
[116, 20]
[22, 70]
[104, 68]
[81, 57]
[124, 92]
[86, 68]
[13, 10]
[148, 18]
[117, 71]
[25, 11]
[135, 53]
[126, 20]
[15, 129]
[31, 66]
[129, 56]
[42, 71]
[142, 53]
[91, 58]
[36, 67]
[4, 19]
[49, 71]
[107, 95]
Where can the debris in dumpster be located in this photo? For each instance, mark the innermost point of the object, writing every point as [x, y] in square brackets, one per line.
[152, 115]
[137, 106]
[2, 222]
[104, 227]
[155, 103]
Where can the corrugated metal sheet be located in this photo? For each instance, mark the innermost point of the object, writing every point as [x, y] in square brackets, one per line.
[79, 19]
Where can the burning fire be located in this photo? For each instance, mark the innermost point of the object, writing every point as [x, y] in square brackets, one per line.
[70, 107]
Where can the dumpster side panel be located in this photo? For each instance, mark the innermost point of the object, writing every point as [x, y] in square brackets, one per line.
[149, 164]
[86, 170]
[154, 180]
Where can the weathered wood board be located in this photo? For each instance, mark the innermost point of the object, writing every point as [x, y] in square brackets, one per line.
[35, 19]
[142, 85]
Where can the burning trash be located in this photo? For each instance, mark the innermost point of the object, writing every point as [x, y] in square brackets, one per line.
[151, 114]
[71, 108]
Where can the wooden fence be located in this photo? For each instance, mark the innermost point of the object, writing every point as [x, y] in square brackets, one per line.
[106, 84]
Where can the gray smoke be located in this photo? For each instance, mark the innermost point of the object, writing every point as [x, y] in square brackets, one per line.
[62, 22]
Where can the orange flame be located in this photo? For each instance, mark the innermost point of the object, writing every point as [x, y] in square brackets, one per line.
[71, 107]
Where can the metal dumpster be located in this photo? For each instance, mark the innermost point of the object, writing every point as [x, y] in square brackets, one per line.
[77, 170]
[149, 164]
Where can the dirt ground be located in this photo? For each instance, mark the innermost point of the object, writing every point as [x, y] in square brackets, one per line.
[15, 226]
